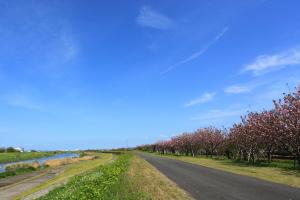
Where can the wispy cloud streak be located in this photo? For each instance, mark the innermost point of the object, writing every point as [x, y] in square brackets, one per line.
[204, 98]
[237, 89]
[220, 114]
[151, 18]
[266, 63]
[23, 101]
[197, 54]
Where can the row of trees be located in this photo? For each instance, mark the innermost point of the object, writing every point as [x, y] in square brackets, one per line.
[259, 135]
[9, 149]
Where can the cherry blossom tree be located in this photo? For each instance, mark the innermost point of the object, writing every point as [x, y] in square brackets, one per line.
[258, 134]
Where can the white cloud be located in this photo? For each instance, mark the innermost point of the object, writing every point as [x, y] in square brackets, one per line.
[204, 98]
[163, 136]
[150, 18]
[69, 47]
[197, 54]
[237, 89]
[43, 41]
[266, 63]
[24, 101]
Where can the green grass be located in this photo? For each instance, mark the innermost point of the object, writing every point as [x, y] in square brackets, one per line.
[147, 182]
[105, 182]
[276, 163]
[70, 171]
[18, 156]
[279, 171]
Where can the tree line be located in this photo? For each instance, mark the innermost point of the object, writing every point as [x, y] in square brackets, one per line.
[8, 150]
[258, 135]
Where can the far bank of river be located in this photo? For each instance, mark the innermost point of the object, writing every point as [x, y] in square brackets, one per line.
[42, 160]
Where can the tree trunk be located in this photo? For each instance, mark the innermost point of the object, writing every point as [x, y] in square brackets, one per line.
[269, 157]
[298, 159]
[249, 155]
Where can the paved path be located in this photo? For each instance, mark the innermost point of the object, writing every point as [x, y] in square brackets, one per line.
[31, 180]
[210, 184]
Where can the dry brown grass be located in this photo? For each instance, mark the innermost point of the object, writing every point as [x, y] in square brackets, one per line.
[65, 161]
[147, 179]
[16, 166]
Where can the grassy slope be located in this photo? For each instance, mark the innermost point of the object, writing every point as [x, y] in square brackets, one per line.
[17, 156]
[275, 174]
[144, 178]
[101, 183]
[70, 171]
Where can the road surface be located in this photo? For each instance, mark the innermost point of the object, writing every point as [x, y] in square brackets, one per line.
[210, 184]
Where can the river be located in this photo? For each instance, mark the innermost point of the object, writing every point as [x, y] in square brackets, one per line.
[42, 160]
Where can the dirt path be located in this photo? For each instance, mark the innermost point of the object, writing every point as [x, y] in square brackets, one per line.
[206, 183]
[15, 179]
[14, 186]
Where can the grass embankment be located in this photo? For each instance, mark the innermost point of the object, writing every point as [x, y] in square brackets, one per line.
[101, 183]
[70, 171]
[18, 156]
[278, 171]
[146, 179]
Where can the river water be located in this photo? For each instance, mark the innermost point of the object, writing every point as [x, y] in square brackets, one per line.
[42, 160]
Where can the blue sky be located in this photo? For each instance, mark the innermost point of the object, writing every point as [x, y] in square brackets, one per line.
[105, 74]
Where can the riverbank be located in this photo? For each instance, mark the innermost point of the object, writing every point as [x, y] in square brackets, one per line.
[18, 156]
[28, 166]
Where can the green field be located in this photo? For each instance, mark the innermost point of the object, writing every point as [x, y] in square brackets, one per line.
[18, 156]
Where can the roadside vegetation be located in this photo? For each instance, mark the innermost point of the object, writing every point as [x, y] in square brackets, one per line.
[146, 180]
[20, 156]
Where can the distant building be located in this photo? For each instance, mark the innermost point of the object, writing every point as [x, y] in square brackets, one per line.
[19, 149]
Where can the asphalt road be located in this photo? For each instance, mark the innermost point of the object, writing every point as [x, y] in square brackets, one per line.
[210, 184]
